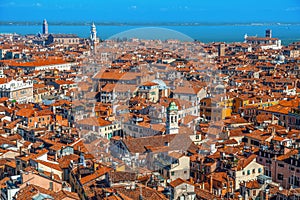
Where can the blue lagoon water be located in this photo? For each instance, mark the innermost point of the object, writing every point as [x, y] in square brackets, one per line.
[205, 33]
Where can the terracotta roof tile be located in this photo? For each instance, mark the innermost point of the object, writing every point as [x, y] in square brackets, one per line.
[98, 173]
[50, 165]
[177, 182]
[25, 112]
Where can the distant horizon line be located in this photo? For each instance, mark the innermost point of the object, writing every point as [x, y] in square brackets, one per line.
[84, 23]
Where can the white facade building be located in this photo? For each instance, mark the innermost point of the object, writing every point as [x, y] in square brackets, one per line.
[19, 90]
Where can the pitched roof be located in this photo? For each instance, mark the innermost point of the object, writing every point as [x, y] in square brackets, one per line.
[178, 181]
[30, 191]
[147, 193]
[50, 165]
[203, 194]
[187, 90]
[174, 141]
[252, 184]
[244, 162]
[25, 112]
[99, 172]
[63, 35]
[120, 176]
[66, 194]
[288, 155]
[93, 121]
[64, 162]
[34, 63]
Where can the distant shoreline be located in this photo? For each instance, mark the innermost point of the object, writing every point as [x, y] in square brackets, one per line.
[33, 23]
[209, 32]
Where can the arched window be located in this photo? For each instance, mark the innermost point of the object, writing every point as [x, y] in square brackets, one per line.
[259, 170]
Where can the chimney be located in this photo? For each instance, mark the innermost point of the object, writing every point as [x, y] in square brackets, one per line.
[245, 194]
[20, 151]
[78, 171]
[49, 126]
[14, 115]
[211, 184]
[267, 194]
[273, 132]
[191, 180]
[51, 175]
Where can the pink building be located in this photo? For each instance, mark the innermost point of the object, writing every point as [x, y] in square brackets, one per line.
[285, 169]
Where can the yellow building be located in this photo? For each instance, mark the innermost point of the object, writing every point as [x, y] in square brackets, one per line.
[239, 102]
[149, 91]
[214, 109]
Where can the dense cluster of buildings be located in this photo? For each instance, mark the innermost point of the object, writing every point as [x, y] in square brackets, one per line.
[148, 119]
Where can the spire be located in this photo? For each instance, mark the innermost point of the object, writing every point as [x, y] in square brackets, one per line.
[93, 35]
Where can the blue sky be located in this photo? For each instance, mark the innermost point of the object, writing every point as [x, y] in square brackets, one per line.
[211, 11]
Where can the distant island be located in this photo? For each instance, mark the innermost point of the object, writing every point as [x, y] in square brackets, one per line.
[82, 23]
